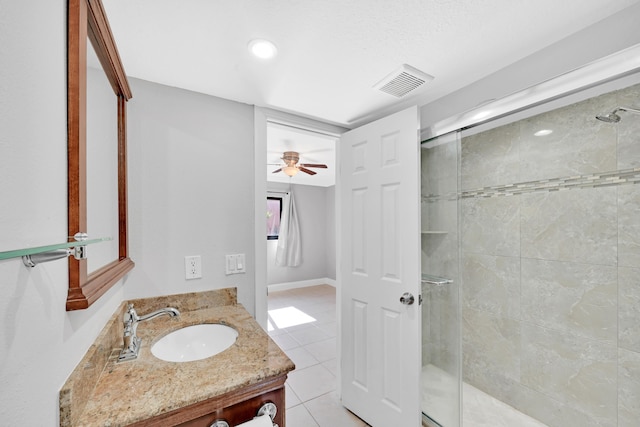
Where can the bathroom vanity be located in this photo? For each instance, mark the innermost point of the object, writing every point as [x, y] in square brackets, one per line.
[231, 385]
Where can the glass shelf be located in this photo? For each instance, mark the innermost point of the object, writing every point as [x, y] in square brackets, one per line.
[41, 249]
[434, 232]
[435, 280]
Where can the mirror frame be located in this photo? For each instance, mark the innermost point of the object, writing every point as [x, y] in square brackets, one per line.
[87, 21]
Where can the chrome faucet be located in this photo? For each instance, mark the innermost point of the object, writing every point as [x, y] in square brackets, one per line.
[131, 319]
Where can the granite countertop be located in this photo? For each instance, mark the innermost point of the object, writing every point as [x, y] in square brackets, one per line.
[139, 389]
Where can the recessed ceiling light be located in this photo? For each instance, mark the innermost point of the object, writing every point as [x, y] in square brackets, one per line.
[543, 132]
[263, 49]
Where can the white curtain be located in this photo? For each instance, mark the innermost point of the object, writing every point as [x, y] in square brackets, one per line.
[289, 252]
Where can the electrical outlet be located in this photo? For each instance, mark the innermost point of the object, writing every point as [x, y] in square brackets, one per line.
[192, 267]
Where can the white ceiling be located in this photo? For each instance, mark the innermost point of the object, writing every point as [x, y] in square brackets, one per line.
[332, 52]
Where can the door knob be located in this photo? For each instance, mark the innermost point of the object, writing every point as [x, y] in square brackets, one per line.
[407, 298]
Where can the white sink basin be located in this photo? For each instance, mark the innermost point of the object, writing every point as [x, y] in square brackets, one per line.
[194, 342]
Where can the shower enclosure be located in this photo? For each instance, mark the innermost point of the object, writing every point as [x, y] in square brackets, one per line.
[531, 269]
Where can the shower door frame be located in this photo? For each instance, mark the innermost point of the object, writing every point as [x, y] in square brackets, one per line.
[444, 272]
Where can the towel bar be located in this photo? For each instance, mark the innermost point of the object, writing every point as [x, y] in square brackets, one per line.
[435, 280]
[268, 408]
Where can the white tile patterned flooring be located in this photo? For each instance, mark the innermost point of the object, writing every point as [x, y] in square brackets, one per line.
[302, 322]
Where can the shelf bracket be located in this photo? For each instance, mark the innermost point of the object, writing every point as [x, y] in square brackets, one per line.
[35, 259]
[79, 252]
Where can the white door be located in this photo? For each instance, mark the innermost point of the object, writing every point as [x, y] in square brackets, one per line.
[379, 223]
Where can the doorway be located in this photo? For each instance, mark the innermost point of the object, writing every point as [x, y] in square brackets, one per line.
[265, 119]
[301, 170]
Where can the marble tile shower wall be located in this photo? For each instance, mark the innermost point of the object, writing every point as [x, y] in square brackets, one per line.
[551, 275]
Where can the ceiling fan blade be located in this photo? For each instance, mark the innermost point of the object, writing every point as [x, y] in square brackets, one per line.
[313, 165]
[277, 170]
[305, 170]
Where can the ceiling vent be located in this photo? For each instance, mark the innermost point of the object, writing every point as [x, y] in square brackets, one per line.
[402, 81]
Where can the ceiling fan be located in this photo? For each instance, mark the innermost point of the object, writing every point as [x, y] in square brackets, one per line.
[291, 165]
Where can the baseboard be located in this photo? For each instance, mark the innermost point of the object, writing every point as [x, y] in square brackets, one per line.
[301, 284]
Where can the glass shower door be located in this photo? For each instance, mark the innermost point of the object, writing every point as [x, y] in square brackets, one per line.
[441, 348]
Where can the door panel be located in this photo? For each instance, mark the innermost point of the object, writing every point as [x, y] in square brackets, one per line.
[392, 358]
[358, 235]
[391, 248]
[359, 361]
[379, 213]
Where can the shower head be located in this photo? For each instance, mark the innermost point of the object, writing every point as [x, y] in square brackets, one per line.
[613, 117]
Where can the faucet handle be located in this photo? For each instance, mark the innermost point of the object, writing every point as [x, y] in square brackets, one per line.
[130, 315]
[131, 342]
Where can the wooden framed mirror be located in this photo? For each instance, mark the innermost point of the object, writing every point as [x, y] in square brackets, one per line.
[87, 21]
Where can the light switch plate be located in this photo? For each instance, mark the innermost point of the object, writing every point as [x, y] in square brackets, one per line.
[235, 264]
[230, 264]
[240, 266]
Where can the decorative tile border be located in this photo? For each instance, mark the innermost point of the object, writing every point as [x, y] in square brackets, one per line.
[605, 179]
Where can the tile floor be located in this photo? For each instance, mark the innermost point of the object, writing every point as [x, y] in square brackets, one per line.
[303, 323]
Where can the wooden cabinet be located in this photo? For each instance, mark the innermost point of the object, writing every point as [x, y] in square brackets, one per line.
[235, 407]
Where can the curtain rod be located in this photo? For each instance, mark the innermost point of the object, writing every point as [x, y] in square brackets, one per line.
[277, 192]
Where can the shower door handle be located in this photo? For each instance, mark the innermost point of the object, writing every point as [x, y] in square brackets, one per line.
[407, 299]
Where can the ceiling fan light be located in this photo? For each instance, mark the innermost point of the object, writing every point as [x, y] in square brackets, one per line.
[290, 170]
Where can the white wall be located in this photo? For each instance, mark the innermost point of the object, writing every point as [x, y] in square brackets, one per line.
[190, 190]
[610, 35]
[40, 343]
[313, 205]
